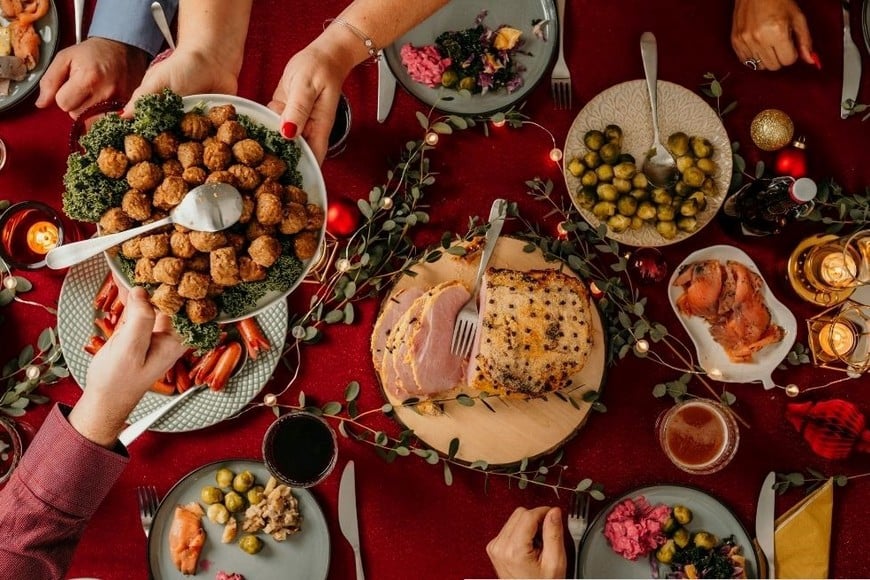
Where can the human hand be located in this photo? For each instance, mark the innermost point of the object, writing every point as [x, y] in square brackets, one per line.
[139, 352]
[92, 71]
[773, 32]
[516, 551]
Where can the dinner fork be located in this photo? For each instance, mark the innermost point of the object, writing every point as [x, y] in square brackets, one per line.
[147, 496]
[560, 79]
[578, 521]
[465, 328]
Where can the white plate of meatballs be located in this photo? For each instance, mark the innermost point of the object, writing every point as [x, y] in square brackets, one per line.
[208, 276]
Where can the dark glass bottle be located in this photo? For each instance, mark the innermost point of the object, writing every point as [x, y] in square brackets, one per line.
[765, 206]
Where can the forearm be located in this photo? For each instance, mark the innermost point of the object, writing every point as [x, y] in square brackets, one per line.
[218, 29]
[130, 23]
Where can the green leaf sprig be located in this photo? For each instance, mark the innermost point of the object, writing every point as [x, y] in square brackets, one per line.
[30, 369]
[810, 479]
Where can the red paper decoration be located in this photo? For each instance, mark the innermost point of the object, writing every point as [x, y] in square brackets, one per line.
[342, 218]
[833, 428]
[792, 160]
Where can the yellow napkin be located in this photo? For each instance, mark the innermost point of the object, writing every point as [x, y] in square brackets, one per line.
[803, 536]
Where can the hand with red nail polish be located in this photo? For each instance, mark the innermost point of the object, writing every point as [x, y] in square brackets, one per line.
[773, 33]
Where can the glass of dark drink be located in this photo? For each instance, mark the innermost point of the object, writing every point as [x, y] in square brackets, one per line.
[699, 436]
[10, 449]
[340, 128]
[300, 449]
[28, 230]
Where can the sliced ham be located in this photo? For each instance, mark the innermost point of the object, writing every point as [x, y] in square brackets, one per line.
[435, 368]
[393, 310]
[395, 367]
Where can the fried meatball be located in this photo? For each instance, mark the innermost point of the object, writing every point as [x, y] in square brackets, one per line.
[165, 145]
[156, 215]
[169, 270]
[193, 285]
[156, 246]
[115, 220]
[316, 216]
[136, 204]
[194, 175]
[112, 163]
[190, 153]
[231, 132]
[144, 176]
[295, 218]
[216, 155]
[265, 250]
[248, 151]
[224, 267]
[250, 271]
[167, 300]
[305, 245]
[247, 177]
[296, 194]
[201, 311]
[179, 243]
[137, 148]
[208, 241]
[222, 177]
[255, 229]
[195, 126]
[221, 114]
[144, 271]
[272, 166]
[130, 249]
[269, 211]
[270, 186]
[172, 167]
[170, 193]
[199, 263]
[248, 205]
[237, 242]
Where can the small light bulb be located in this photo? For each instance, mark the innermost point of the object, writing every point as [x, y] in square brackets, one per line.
[595, 290]
[561, 232]
[387, 202]
[642, 346]
[792, 390]
[431, 138]
[498, 123]
[270, 400]
[715, 373]
[32, 372]
[10, 283]
[342, 265]
[556, 154]
[298, 332]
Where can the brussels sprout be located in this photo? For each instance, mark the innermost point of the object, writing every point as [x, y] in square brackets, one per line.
[625, 170]
[613, 134]
[224, 477]
[591, 159]
[707, 165]
[681, 537]
[687, 224]
[701, 147]
[646, 211]
[467, 83]
[693, 177]
[666, 229]
[218, 513]
[665, 553]
[699, 199]
[210, 494]
[593, 139]
[636, 223]
[688, 208]
[639, 180]
[589, 179]
[619, 223]
[626, 158]
[586, 198]
[449, 78]
[607, 192]
[621, 185]
[234, 502]
[610, 152]
[670, 525]
[604, 209]
[576, 167]
[709, 187]
[661, 195]
[684, 162]
[639, 194]
[604, 173]
[255, 494]
[678, 144]
[705, 540]
[665, 212]
[626, 205]
[243, 481]
[251, 544]
[683, 189]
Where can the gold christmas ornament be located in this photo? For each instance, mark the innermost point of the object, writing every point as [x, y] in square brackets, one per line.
[771, 129]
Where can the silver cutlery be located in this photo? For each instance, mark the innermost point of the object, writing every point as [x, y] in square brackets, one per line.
[146, 496]
[347, 514]
[764, 515]
[163, 24]
[386, 88]
[79, 10]
[659, 165]
[851, 66]
[865, 19]
[560, 79]
[465, 328]
[578, 521]
[132, 432]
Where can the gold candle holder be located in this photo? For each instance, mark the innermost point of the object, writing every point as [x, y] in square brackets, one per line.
[840, 338]
[826, 269]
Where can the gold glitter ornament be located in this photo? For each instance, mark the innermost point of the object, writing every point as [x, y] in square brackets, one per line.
[771, 129]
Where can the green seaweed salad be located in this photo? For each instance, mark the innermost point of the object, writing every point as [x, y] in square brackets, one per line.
[88, 194]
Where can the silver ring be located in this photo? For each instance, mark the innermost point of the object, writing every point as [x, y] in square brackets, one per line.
[753, 63]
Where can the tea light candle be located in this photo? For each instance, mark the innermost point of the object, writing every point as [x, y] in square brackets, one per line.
[42, 237]
[837, 339]
[838, 270]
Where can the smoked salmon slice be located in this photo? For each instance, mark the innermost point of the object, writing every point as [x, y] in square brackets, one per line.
[186, 537]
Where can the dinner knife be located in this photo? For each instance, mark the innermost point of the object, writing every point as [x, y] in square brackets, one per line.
[866, 21]
[851, 64]
[347, 516]
[764, 514]
[386, 88]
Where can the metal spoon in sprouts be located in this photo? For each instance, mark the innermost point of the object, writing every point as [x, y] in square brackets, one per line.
[659, 165]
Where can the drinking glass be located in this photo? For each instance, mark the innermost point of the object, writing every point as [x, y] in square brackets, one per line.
[10, 448]
[340, 128]
[699, 436]
[28, 230]
[300, 449]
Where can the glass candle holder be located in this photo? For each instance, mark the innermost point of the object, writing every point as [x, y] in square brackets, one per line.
[2, 153]
[699, 436]
[10, 449]
[839, 338]
[28, 230]
[839, 264]
[300, 449]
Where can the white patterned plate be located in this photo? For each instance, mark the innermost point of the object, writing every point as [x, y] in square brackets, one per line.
[48, 30]
[627, 105]
[75, 326]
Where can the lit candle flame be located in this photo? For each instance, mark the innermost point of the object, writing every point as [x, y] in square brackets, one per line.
[836, 339]
[42, 237]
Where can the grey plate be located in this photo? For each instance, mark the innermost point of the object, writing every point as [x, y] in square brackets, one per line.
[47, 28]
[598, 560]
[303, 556]
[459, 15]
[866, 25]
[75, 326]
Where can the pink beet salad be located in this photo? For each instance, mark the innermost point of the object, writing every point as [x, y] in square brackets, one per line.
[634, 528]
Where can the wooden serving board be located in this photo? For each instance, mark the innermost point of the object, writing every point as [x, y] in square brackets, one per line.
[518, 428]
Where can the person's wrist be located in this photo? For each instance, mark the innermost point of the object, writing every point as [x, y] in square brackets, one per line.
[341, 48]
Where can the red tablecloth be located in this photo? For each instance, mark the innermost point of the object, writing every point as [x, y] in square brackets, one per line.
[413, 524]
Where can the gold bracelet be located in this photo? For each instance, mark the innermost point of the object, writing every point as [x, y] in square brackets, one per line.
[373, 50]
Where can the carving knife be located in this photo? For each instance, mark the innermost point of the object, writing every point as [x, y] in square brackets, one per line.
[347, 515]
[764, 515]
[851, 64]
[386, 88]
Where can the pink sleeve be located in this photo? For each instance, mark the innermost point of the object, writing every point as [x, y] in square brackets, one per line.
[61, 481]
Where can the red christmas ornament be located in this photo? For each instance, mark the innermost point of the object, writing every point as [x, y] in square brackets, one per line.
[792, 160]
[342, 218]
[648, 264]
[833, 428]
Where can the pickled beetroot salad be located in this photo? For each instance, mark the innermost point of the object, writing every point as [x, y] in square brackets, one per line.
[634, 528]
[478, 59]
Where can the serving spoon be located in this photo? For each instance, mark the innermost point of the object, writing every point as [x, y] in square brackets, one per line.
[659, 165]
[210, 207]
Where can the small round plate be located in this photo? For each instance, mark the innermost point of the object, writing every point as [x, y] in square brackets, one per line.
[302, 556]
[48, 30]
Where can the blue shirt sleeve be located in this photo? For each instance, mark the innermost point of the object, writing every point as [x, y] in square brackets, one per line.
[130, 22]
